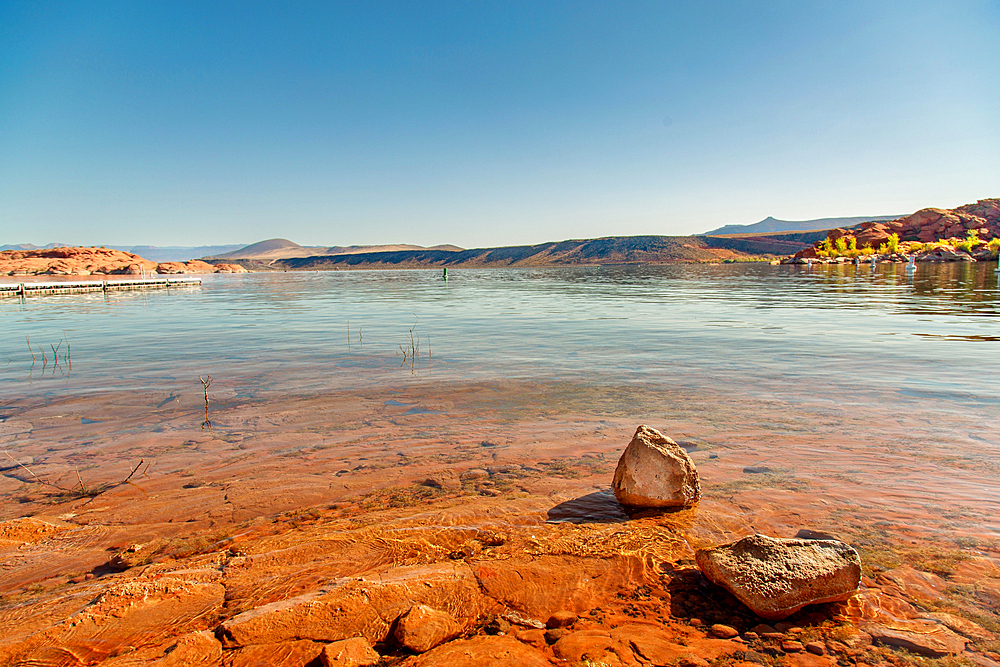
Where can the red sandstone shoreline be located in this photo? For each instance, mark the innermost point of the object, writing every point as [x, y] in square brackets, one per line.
[256, 543]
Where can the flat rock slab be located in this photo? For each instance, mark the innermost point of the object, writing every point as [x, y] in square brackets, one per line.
[777, 577]
[654, 471]
[359, 607]
[924, 637]
[496, 651]
[282, 654]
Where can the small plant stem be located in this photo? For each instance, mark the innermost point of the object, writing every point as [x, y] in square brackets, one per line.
[30, 350]
[83, 488]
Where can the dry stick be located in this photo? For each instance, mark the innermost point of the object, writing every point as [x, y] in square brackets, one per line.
[80, 479]
[206, 382]
[30, 350]
[141, 461]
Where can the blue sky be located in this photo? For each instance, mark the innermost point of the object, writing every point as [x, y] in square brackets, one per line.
[485, 123]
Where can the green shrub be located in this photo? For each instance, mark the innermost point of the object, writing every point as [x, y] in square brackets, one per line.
[971, 241]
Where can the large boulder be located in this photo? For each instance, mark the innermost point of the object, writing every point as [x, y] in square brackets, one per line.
[654, 471]
[777, 577]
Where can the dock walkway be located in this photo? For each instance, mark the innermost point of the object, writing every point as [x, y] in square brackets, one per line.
[38, 289]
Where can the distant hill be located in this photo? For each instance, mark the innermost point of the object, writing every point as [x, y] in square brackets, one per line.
[272, 249]
[770, 224]
[175, 253]
[31, 246]
[277, 249]
[608, 250]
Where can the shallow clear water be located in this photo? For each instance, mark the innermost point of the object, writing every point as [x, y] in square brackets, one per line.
[875, 389]
[773, 328]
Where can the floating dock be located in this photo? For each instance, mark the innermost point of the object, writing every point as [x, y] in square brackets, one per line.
[38, 289]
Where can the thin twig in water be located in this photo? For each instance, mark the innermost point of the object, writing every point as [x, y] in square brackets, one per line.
[69, 359]
[30, 350]
[206, 382]
[141, 461]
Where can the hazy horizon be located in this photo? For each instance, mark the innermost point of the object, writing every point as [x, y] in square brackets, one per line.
[485, 125]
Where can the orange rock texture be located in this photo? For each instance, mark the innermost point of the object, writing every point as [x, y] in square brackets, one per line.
[80, 261]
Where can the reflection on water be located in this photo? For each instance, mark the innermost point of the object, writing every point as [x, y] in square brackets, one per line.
[698, 324]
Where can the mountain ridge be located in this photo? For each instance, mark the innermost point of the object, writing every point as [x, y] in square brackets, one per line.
[771, 224]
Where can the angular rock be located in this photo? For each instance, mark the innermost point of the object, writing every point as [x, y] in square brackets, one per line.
[422, 628]
[777, 577]
[353, 652]
[654, 471]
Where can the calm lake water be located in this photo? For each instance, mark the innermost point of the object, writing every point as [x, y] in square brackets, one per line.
[877, 388]
[831, 331]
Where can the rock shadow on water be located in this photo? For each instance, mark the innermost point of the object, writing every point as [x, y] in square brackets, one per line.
[603, 507]
[597, 507]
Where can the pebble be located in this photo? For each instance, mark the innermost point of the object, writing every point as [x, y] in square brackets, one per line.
[816, 648]
[724, 631]
[552, 635]
[791, 646]
[751, 636]
[695, 622]
[561, 619]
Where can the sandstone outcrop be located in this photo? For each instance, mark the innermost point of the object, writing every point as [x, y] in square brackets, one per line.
[654, 471]
[777, 577]
[75, 261]
[190, 266]
[72, 262]
[229, 268]
[925, 226]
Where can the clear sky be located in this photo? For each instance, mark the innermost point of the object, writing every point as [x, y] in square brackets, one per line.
[485, 123]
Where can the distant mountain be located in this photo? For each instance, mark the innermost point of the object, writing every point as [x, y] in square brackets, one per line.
[356, 249]
[770, 224]
[278, 249]
[175, 253]
[31, 246]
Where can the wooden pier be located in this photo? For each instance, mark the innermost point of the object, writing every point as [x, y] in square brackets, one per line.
[38, 289]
